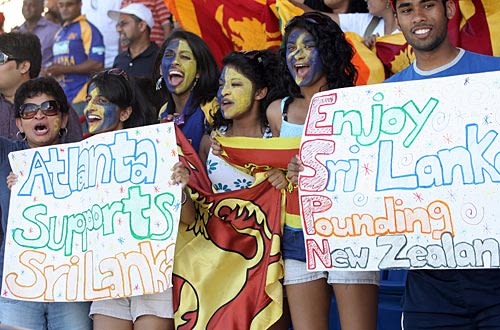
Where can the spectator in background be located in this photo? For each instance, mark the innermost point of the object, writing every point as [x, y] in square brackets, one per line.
[20, 61]
[379, 21]
[78, 52]
[162, 18]
[336, 6]
[134, 24]
[96, 12]
[44, 29]
[52, 13]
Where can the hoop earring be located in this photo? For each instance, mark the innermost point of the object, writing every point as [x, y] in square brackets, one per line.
[158, 83]
[21, 136]
[194, 84]
[63, 131]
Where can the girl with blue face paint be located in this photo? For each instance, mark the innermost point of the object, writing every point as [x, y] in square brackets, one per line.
[318, 58]
[186, 71]
[114, 102]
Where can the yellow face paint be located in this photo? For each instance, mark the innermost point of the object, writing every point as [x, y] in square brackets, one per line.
[57, 124]
[101, 115]
[179, 66]
[302, 58]
[235, 94]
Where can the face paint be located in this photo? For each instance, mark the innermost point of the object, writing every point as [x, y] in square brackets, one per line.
[235, 93]
[102, 115]
[178, 66]
[57, 125]
[302, 58]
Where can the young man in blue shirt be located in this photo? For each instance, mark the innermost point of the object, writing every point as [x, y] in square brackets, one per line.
[444, 299]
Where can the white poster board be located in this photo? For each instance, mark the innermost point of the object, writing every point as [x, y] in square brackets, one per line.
[403, 175]
[93, 220]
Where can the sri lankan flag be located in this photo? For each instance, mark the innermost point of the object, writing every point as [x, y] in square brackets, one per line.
[476, 26]
[394, 52]
[228, 264]
[228, 25]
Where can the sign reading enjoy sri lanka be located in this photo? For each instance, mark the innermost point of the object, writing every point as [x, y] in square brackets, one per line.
[403, 175]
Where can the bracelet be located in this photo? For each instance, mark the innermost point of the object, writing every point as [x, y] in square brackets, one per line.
[291, 186]
[184, 197]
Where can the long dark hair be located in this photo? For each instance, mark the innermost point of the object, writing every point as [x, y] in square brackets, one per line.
[207, 69]
[120, 89]
[262, 68]
[334, 51]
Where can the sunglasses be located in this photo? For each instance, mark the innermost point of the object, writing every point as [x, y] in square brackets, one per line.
[113, 72]
[117, 72]
[4, 58]
[48, 108]
[311, 17]
[252, 55]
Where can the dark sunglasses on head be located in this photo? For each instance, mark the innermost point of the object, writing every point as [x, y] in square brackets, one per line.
[48, 108]
[117, 72]
[252, 55]
[113, 72]
[311, 17]
[4, 58]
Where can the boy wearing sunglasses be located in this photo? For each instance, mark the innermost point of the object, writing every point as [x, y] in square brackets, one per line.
[20, 61]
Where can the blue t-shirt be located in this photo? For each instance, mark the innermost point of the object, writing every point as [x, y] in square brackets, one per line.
[465, 63]
[6, 146]
[192, 125]
[75, 43]
[451, 291]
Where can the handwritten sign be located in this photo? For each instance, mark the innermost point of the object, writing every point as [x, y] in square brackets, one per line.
[93, 220]
[403, 175]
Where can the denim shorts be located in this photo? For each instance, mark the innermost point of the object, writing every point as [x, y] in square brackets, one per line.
[294, 255]
[40, 315]
[131, 308]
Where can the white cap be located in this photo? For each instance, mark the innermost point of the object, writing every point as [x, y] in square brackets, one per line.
[137, 9]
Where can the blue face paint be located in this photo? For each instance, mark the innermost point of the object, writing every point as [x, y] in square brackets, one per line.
[302, 58]
[102, 115]
[178, 67]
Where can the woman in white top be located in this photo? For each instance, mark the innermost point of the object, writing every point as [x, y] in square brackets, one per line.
[379, 21]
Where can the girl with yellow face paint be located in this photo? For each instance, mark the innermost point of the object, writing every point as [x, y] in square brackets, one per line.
[113, 103]
[247, 84]
[186, 71]
[318, 58]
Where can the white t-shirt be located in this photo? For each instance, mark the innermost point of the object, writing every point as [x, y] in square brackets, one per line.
[96, 12]
[358, 22]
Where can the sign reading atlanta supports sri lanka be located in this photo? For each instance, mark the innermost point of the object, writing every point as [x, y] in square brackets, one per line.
[93, 220]
[403, 175]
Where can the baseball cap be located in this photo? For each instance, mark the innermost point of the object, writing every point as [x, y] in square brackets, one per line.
[137, 9]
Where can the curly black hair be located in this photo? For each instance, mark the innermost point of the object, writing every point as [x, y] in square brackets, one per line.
[38, 86]
[206, 87]
[262, 68]
[334, 50]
